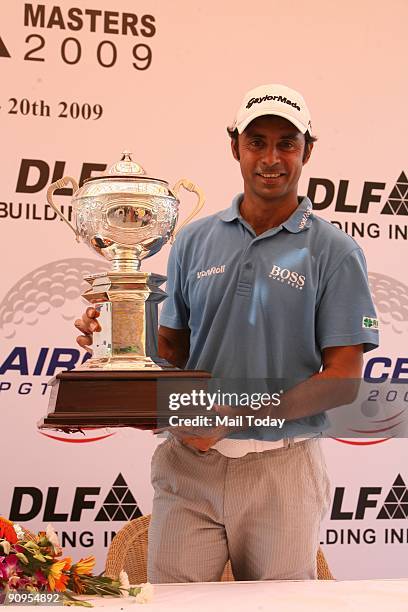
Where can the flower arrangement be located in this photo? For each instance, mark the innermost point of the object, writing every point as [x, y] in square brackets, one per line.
[33, 564]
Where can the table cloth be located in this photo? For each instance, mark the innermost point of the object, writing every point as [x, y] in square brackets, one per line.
[262, 596]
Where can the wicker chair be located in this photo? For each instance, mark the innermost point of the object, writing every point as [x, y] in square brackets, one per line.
[128, 551]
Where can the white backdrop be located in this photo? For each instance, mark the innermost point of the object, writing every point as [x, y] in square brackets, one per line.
[83, 82]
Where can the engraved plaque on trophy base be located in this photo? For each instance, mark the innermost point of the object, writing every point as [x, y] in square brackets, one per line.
[81, 399]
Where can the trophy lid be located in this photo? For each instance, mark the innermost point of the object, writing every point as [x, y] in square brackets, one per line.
[124, 175]
[126, 166]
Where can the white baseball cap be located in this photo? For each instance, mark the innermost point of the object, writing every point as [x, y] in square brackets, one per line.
[273, 99]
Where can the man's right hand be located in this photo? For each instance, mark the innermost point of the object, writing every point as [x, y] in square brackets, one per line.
[87, 325]
[174, 345]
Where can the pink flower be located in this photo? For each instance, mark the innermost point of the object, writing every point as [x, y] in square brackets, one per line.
[18, 582]
[10, 567]
[40, 579]
[12, 573]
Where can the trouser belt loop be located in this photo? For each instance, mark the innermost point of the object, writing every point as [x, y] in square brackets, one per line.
[288, 442]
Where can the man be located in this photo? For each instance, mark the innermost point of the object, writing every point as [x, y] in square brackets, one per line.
[263, 290]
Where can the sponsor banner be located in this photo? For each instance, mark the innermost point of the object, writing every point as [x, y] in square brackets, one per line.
[367, 519]
[380, 212]
[83, 83]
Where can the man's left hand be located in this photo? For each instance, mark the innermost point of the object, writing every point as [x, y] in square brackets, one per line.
[203, 438]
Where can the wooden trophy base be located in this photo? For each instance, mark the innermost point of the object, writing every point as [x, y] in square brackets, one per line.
[82, 399]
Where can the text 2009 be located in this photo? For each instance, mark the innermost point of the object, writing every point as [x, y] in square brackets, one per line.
[71, 52]
[66, 110]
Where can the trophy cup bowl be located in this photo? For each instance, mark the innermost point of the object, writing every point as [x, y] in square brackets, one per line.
[126, 217]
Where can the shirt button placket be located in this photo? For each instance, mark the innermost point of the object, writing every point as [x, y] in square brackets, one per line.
[246, 276]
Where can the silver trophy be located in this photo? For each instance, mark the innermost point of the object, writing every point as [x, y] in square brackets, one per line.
[125, 216]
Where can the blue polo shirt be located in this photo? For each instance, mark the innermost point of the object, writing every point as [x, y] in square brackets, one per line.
[264, 307]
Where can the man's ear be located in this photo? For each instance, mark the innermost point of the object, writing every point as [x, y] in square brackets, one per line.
[235, 148]
[308, 152]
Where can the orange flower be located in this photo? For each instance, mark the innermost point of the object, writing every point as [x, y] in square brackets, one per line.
[7, 530]
[56, 578]
[84, 567]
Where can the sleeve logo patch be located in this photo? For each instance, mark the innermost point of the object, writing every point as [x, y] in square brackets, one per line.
[370, 323]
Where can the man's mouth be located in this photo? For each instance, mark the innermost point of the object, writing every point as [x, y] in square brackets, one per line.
[270, 175]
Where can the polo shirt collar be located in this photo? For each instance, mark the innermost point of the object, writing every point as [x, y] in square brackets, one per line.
[301, 219]
[232, 213]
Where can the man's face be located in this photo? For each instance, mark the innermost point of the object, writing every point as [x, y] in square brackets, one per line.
[271, 153]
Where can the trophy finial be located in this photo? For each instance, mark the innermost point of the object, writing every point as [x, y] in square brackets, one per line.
[127, 166]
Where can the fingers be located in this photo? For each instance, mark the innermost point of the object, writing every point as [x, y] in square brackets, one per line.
[89, 320]
[92, 313]
[87, 325]
[79, 324]
[202, 444]
[84, 341]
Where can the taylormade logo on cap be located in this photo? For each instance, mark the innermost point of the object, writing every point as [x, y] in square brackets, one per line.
[273, 99]
[277, 98]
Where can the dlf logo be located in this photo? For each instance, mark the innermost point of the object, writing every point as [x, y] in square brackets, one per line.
[395, 505]
[284, 275]
[30, 502]
[322, 192]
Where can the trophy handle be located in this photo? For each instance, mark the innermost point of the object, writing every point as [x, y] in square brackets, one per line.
[63, 182]
[189, 186]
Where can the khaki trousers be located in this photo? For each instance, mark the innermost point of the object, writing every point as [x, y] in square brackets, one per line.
[263, 511]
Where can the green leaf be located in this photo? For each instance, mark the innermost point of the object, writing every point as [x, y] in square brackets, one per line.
[133, 591]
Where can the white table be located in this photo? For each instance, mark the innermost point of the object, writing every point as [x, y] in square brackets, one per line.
[287, 596]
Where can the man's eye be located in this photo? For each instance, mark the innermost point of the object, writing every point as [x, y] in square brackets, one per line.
[256, 143]
[287, 144]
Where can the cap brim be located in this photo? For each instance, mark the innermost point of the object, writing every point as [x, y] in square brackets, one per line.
[261, 113]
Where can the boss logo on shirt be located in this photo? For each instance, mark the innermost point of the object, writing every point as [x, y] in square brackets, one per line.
[211, 271]
[284, 275]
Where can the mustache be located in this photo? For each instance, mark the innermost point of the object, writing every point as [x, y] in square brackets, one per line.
[269, 170]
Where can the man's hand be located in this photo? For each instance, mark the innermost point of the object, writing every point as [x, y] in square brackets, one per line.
[174, 345]
[203, 438]
[87, 325]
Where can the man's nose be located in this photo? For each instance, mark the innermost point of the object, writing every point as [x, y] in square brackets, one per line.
[270, 155]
